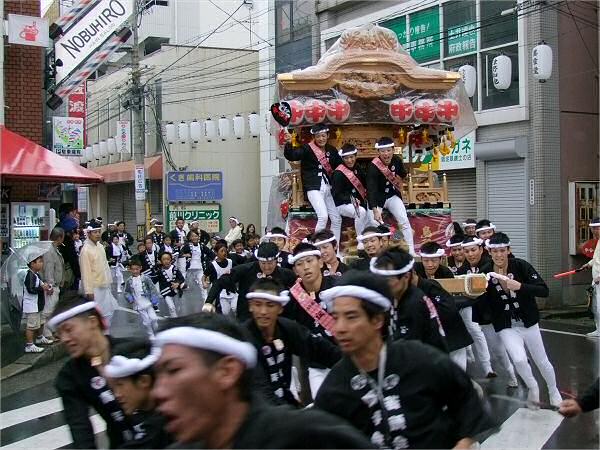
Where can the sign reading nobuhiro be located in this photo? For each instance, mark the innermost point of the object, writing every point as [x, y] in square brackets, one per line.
[89, 33]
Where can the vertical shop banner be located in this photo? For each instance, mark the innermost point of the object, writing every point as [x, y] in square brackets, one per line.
[123, 136]
[67, 135]
[140, 182]
[76, 105]
[424, 35]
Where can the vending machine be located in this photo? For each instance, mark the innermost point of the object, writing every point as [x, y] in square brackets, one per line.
[29, 223]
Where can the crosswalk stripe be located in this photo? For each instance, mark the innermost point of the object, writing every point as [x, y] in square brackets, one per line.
[55, 438]
[525, 429]
[34, 411]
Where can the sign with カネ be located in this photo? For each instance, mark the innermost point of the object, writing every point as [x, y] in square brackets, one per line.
[462, 155]
[462, 39]
[67, 135]
[194, 186]
[208, 215]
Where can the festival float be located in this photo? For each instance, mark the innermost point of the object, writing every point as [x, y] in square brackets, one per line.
[366, 86]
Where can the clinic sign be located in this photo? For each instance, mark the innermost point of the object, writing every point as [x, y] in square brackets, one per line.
[209, 216]
[95, 28]
[194, 186]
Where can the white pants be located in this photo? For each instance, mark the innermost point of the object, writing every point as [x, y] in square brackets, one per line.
[228, 304]
[49, 305]
[516, 340]
[117, 274]
[315, 379]
[395, 206]
[170, 301]
[362, 220]
[498, 351]
[149, 320]
[182, 266]
[596, 305]
[324, 206]
[106, 302]
[459, 357]
[479, 343]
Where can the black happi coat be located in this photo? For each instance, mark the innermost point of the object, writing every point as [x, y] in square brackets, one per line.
[164, 282]
[237, 259]
[505, 306]
[294, 339]
[243, 276]
[430, 401]
[415, 317]
[342, 190]
[441, 272]
[483, 266]
[282, 260]
[206, 254]
[282, 427]
[311, 169]
[379, 189]
[150, 267]
[127, 237]
[112, 258]
[177, 237]
[341, 269]
[452, 264]
[158, 237]
[80, 387]
[457, 335]
[31, 285]
[148, 431]
[362, 264]
[480, 315]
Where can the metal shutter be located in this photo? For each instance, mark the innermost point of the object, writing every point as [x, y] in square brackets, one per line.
[462, 194]
[507, 201]
[154, 196]
[121, 204]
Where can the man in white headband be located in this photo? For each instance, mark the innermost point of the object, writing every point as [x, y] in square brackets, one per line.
[384, 187]
[485, 229]
[235, 231]
[276, 339]
[430, 266]
[205, 388]
[279, 237]
[243, 276]
[469, 226]
[457, 254]
[306, 306]
[594, 264]
[81, 383]
[401, 394]
[372, 239]
[328, 246]
[511, 293]
[95, 272]
[319, 159]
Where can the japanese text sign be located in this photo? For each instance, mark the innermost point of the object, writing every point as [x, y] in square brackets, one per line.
[194, 186]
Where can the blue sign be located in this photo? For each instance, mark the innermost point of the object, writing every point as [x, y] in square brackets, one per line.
[194, 186]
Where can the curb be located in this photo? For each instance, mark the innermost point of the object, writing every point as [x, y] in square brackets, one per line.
[33, 360]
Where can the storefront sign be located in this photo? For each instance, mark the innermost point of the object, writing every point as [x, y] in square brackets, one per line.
[67, 135]
[462, 155]
[96, 26]
[194, 186]
[123, 136]
[28, 30]
[462, 39]
[424, 35]
[76, 104]
[140, 182]
[209, 216]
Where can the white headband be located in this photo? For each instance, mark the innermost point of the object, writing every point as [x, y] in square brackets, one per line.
[450, 245]
[594, 224]
[283, 298]
[475, 241]
[153, 220]
[272, 235]
[293, 258]
[491, 226]
[488, 245]
[390, 272]
[324, 241]
[208, 340]
[234, 219]
[121, 366]
[380, 146]
[324, 130]
[90, 228]
[369, 235]
[361, 292]
[469, 224]
[437, 254]
[261, 258]
[69, 313]
[348, 153]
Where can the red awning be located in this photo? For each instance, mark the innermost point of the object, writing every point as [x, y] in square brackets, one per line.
[21, 158]
[123, 171]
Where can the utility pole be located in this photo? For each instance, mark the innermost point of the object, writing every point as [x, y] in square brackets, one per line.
[137, 103]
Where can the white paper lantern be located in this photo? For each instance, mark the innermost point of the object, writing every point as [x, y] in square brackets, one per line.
[84, 155]
[541, 61]
[254, 125]
[195, 131]
[210, 129]
[171, 132]
[96, 151]
[112, 146]
[184, 132]
[89, 155]
[224, 128]
[502, 72]
[239, 126]
[469, 77]
[103, 149]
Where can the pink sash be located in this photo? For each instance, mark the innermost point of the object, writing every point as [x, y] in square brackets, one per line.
[313, 309]
[321, 158]
[391, 176]
[354, 180]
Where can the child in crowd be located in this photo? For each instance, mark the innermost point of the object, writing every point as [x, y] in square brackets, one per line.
[143, 295]
[77, 242]
[167, 247]
[220, 266]
[116, 255]
[33, 305]
[170, 282]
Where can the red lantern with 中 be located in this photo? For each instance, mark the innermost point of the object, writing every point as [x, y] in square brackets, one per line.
[338, 110]
[425, 111]
[315, 110]
[447, 110]
[401, 110]
[297, 108]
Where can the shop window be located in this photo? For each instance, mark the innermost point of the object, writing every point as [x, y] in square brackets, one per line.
[492, 97]
[460, 28]
[583, 207]
[495, 28]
